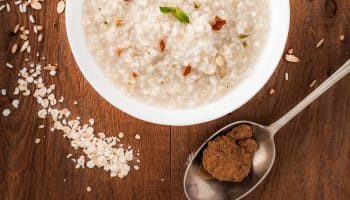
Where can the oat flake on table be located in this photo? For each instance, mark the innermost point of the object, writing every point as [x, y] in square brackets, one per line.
[110, 157]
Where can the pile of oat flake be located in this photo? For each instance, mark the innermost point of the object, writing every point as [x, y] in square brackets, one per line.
[99, 151]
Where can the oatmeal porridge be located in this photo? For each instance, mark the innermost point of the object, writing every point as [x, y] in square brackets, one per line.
[176, 54]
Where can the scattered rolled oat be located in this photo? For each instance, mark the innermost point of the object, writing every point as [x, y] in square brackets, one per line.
[42, 113]
[31, 19]
[88, 189]
[121, 135]
[342, 37]
[320, 43]
[101, 135]
[37, 140]
[313, 83]
[40, 37]
[3, 92]
[6, 112]
[112, 158]
[60, 7]
[39, 28]
[8, 8]
[286, 76]
[25, 46]
[15, 30]
[15, 103]
[136, 167]
[49, 67]
[14, 48]
[137, 136]
[272, 91]
[9, 65]
[61, 100]
[292, 58]
[36, 5]
[52, 73]
[290, 51]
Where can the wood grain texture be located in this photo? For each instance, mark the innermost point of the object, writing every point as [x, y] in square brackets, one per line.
[313, 150]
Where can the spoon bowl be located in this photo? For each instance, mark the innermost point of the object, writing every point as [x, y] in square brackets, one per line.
[198, 186]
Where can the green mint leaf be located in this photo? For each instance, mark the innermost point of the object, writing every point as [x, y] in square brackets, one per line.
[178, 13]
[181, 16]
[167, 10]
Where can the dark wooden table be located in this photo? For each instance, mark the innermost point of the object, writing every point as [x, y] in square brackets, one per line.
[313, 150]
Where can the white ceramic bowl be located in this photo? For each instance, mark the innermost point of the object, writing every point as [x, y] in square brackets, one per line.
[263, 69]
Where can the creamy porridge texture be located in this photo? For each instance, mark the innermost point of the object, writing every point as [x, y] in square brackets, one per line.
[164, 60]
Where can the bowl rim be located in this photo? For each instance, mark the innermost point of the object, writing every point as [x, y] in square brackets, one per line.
[246, 89]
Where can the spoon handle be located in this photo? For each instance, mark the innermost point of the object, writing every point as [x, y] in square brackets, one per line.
[339, 74]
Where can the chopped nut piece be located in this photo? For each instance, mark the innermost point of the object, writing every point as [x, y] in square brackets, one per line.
[218, 23]
[187, 70]
[119, 21]
[119, 52]
[161, 45]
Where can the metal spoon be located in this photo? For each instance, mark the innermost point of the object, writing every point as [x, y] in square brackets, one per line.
[198, 187]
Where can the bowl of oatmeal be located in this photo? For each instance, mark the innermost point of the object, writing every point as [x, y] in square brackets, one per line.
[177, 62]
